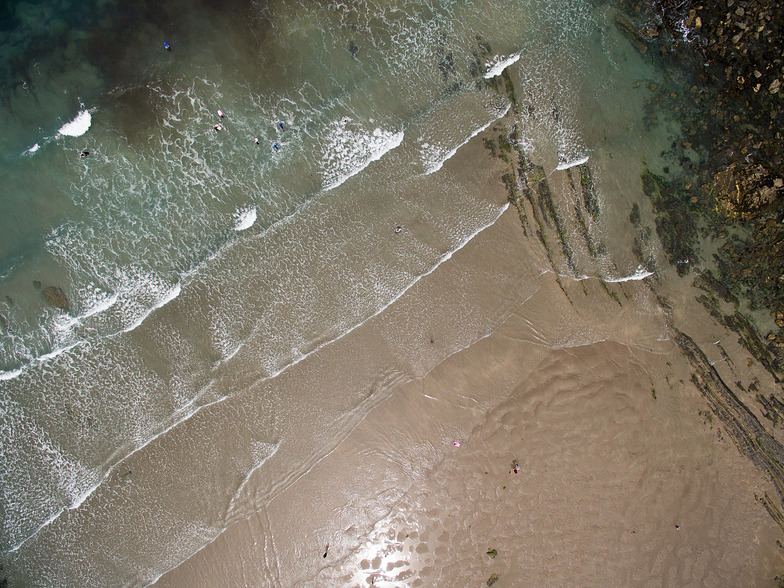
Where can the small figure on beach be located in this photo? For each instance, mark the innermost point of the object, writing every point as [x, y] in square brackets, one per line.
[220, 113]
[280, 124]
[84, 153]
[326, 549]
[256, 140]
[398, 229]
[515, 466]
[217, 127]
[275, 147]
[166, 46]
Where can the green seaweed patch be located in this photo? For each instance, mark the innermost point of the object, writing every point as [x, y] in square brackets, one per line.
[492, 552]
[546, 203]
[752, 342]
[610, 293]
[490, 146]
[674, 223]
[509, 87]
[493, 579]
[588, 189]
[704, 280]
[634, 216]
[505, 148]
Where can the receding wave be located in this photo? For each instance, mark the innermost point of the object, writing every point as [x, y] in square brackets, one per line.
[349, 150]
[435, 156]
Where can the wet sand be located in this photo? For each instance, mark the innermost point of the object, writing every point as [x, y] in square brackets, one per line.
[624, 477]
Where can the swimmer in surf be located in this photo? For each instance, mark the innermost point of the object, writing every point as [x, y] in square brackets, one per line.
[256, 140]
[217, 127]
[84, 153]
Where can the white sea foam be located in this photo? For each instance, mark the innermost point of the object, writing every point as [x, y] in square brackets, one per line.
[244, 219]
[436, 156]
[162, 301]
[11, 374]
[102, 301]
[34, 148]
[499, 64]
[55, 352]
[348, 151]
[640, 274]
[78, 126]
[575, 162]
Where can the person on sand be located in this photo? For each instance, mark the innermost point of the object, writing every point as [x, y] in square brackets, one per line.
[398, 229]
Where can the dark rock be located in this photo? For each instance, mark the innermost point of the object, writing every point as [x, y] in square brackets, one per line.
[55, 297]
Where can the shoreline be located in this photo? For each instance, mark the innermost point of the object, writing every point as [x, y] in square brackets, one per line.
[379, 510]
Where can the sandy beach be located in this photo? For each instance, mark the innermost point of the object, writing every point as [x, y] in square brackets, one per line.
[323, 294]
[563, 445]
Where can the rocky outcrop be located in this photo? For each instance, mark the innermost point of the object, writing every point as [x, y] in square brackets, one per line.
[56, 298]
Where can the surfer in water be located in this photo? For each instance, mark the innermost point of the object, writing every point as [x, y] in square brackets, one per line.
[166, 46]
[217, 127]
[275, 147]
[84, 153]
[220, 113]
[280, 124]
[256, 140]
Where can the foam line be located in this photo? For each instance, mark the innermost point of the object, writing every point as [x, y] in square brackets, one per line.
[499, 64]
[79, 500]
[168, 297]
[567, 164]
[640, 274]
[437, 166]
[443, 259]
[379, 145]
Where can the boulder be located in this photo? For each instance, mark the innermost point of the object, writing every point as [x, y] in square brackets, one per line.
[55, 297]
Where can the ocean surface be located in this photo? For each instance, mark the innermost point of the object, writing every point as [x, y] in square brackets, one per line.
[176, 266]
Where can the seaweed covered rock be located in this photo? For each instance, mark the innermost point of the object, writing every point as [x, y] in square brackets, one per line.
[674, 223]
[56, 298]
[742, 190]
